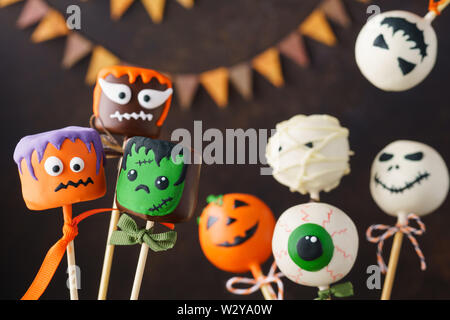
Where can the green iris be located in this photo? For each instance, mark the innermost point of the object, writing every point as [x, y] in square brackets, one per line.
[311, 247]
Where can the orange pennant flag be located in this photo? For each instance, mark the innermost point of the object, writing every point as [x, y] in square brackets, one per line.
[100, 59]
[53, 25]
[241, 77]
[186, 86]
[293, 47]
[268, 64]
[155, 9]
[5, 3]
[32, 12]
[188, 4]
[77, 47]
[335, 11]
[216, 83]
[317, 27]
[118, 7]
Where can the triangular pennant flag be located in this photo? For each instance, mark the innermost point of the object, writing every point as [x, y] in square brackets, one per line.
[53, 25]
[118, 7]
[101, 58]
[268, 64]
[335, 10]
[32, 12]
[241, 77]
[186, 86]
[188, 4]
[5, 3]
[155, 9]
[293, 47]
[317, 27]
[77, 47]
[216, 83]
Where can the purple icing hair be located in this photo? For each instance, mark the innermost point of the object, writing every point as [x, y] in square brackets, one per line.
[38, 142]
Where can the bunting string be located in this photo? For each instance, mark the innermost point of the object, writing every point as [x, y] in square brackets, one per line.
[51, 24]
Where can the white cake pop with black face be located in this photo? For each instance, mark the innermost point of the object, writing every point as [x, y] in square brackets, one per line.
[396, 50]
[309, 154]
[315, 244]
[409, 177]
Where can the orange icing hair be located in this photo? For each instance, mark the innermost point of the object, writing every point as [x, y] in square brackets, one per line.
[132, 72]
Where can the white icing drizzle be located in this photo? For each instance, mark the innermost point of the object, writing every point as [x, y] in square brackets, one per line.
[142, 115]
[312, 182]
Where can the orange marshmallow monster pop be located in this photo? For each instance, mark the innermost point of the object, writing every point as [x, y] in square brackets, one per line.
[58, 168]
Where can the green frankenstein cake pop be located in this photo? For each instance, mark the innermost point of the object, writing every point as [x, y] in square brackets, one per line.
[154, 185]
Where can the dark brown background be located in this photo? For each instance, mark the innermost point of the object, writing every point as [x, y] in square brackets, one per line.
[37, 95]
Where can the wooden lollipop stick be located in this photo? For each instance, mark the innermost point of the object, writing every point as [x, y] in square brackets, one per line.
[392, 266]
[109, 251]
[393, 259]
[70, 251]
[140, 267]
[266, 289]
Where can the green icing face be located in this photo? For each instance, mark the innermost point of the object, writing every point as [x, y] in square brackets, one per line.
[148, 188]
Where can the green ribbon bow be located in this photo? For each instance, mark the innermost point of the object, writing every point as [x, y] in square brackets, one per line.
[340, 291]
[130, 234]
[218, 200]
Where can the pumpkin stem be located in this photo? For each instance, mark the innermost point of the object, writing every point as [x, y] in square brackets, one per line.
[215, 199]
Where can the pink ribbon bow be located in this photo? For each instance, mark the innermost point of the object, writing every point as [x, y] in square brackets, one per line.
[257, 283]
[390, 231]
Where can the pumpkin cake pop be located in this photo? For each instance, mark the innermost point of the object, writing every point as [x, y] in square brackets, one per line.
[235, 232]
[315, 244]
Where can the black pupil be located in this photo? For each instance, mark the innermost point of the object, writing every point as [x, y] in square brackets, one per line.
[55, 169]
[162, 182]
[122, 95]
[309, 248]
[146, 98]
[132, 175]
[76, 167]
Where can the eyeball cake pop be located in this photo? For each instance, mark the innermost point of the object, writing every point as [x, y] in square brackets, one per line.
[153, 185]
[409, 177]
[309, 154]
[315, 244]
[131, 101]
[235, 232]
[396, 50]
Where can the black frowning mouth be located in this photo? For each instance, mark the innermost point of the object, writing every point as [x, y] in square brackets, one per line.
[240, 240]
[159, 206]
[74, 184]
[408, 185]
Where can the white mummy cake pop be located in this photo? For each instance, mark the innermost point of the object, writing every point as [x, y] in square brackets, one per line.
[396, 50]
[315, 244]
[409, 177]
[309, 154]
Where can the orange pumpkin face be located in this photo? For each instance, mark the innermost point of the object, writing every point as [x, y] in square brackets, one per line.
[235, 232]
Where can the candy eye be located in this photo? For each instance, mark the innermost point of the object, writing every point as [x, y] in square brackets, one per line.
[150, 99]
[77, 164]
[414, 156]
[132, 175]
[116, 92]
[310, 247]
[385, 157]
[162, 182]
[53, 166]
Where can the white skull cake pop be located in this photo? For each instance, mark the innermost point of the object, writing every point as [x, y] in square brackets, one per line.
[396, 50]
[309, 154]
[315, 244]
[409, 177]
